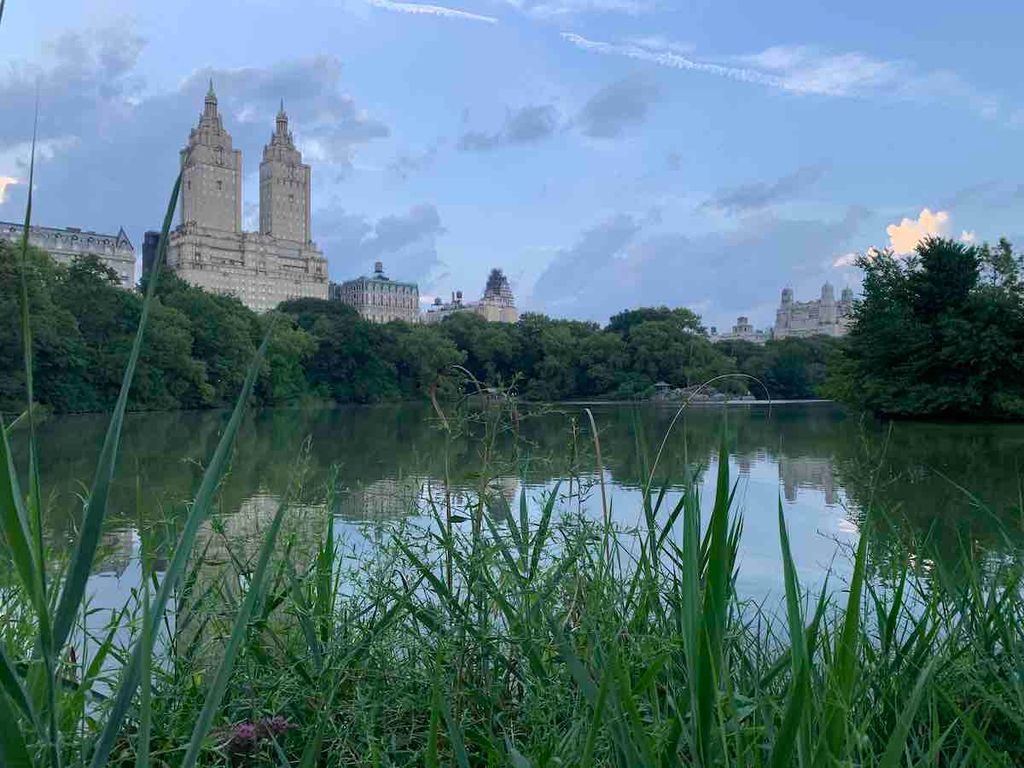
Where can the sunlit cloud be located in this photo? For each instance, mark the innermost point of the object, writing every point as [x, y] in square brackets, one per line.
[430, 10]
[846, 260]
[5, 182]
[904, 237]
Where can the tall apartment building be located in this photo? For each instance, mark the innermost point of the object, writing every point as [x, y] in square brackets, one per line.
[65, 245]
[497, 305]
[824, 316]
[209, 247]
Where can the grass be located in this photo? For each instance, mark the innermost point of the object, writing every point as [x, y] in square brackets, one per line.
[490, 637]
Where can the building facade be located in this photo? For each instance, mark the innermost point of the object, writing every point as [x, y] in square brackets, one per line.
[497, 305]
[209, 248]
[441, 309]
[742, 331]
[821, 317]
[150, 249]
[379, 298]
[65, 245]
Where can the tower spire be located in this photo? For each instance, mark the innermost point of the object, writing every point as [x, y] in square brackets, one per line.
[210, 106]
[282, 121]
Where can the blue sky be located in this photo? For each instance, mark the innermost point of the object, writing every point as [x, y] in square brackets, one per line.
[605, 153]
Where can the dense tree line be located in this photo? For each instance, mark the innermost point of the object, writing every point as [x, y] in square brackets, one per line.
[938, 334]
[198, 347]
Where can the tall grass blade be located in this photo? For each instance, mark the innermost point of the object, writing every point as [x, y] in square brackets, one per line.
[454, 734]
[200, 509]
[148, 620]
[17, 530]
[898, 739]
[799, 691]
[96, 507]
[844, 671]
[45, 666]
[11, 684]
[714, 609]
[13, 749]
[238, 633]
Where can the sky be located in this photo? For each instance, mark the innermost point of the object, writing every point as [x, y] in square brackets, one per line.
[606, 154]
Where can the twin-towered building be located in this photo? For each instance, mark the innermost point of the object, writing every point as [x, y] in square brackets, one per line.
[819, 317]
[210, 249]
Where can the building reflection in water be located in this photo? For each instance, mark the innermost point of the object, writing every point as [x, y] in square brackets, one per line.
[806, 472]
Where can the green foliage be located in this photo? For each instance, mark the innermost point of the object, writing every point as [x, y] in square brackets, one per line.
[940, 334]
[324, 351]
[791, 369]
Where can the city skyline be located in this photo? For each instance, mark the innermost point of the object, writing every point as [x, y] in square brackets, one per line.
[604, 166]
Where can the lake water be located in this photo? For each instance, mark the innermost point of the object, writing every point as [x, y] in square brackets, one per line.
[825, 465]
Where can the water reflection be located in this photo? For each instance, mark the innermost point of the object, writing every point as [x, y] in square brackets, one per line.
[825, 465]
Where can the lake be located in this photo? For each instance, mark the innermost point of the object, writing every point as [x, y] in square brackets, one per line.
[952, 482]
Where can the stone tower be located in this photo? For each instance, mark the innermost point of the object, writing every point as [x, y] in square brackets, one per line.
[211, 194]
[828, 304]
[284, 187]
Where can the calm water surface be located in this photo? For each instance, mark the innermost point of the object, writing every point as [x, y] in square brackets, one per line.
[824, 465]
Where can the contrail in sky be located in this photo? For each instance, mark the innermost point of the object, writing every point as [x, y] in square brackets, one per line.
[430, 10]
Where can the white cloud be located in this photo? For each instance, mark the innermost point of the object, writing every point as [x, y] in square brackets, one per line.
[846, 260]
[807, 70]
[904, 237]
[969, 236]
[430, 10]
[5, 182]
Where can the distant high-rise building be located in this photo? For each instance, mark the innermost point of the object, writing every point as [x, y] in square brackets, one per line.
[742, 331]
[150, 248]
[65, 245]
[209, 248]
[497, 305]
[379, 298]
[441, 309]
[824, 316]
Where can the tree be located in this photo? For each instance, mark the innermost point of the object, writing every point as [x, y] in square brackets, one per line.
[347, 366]
[225, 333]
[59, 358]
[423, 359]
[932, 338]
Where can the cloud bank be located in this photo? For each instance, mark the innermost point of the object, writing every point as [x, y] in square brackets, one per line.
[525, 125]
[617, 107]
[627, 260]
[406, 242]
[760, 194]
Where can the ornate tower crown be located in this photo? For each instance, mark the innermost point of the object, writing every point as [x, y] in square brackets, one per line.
[284, 186]
[211, 193]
